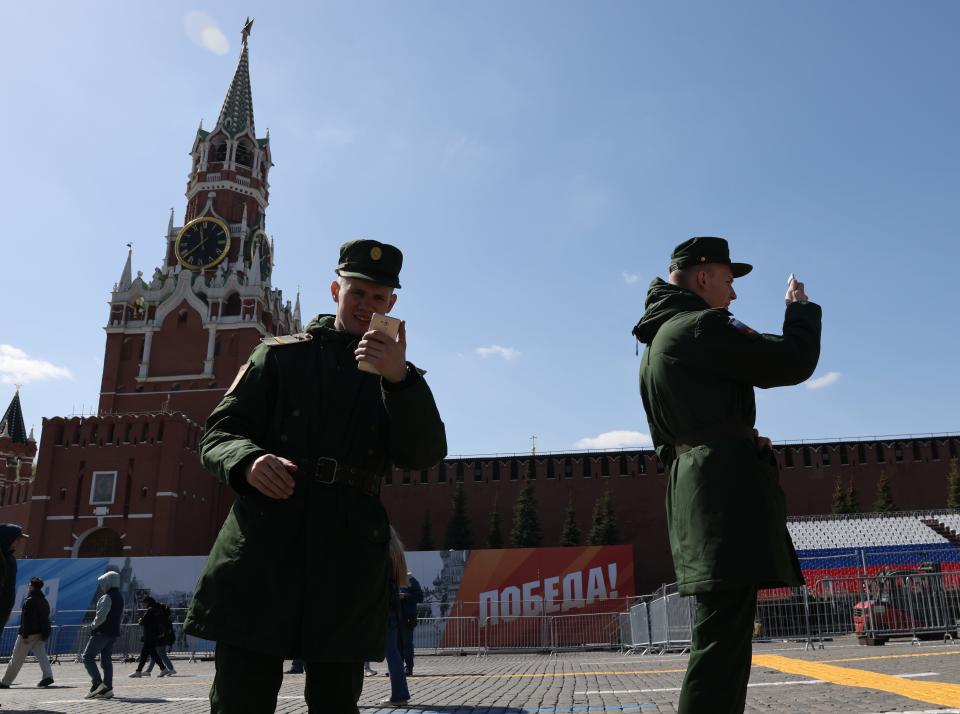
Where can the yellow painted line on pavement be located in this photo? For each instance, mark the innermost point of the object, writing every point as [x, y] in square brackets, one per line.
[940, 693]
[548, 674]
[895, 656]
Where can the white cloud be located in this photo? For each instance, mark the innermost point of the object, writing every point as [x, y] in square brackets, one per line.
[617, 439]
[508, 353]
[630, 278]
[824, 381]
[204, 32]
[17, 367]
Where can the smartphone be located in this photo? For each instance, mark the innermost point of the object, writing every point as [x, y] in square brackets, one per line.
[388, 326]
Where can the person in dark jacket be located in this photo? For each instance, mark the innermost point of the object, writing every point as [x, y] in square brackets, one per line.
[167, 638]
[11, 536]
[726, 512]
[303, 436]
[104, 631]
[34, 631]
[410, 598]
[152, 623]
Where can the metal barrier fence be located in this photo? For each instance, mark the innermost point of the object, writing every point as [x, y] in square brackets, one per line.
[71, 639]
[874, 607]
[439, 635]
[553, 633]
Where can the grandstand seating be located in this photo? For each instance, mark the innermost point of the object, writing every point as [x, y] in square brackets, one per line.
[865, 531]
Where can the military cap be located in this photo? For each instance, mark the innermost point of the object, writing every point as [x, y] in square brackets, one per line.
[703, 250]
[371, 260]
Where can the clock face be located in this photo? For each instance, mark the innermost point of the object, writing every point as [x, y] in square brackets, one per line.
[262, 241]
[203, 243]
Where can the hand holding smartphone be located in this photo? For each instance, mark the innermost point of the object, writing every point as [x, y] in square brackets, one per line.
[389, 326]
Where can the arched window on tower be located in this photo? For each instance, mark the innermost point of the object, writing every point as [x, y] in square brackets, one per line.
[245, 153]
[218, 150]
[232, 306]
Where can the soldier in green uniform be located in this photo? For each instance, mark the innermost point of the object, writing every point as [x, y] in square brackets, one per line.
[301, 565]
[726, 511]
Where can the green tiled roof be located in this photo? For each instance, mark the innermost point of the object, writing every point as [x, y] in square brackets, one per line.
[236, 115]
[13, 420]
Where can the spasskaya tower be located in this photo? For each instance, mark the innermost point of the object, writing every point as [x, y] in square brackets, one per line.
[176, 339]
[128, 481]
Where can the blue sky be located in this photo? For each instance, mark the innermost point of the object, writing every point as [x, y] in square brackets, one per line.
[536, 162]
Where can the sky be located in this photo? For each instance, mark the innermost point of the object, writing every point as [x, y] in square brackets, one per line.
[536, 162]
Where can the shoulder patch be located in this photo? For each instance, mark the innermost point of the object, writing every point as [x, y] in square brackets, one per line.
[279, 340]
[741, 328]
[236, 380]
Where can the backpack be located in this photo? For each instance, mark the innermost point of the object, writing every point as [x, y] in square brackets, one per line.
[167, 634]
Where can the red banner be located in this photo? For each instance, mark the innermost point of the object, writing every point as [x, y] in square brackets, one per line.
[527, 582]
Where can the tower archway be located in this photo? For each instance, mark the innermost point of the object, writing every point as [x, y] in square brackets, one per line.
[101, 543]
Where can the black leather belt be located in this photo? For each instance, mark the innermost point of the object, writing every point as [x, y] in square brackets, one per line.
[686, 442]
[328, 471]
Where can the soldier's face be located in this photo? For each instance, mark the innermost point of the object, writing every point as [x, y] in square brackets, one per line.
[716, 286]
[357, 300]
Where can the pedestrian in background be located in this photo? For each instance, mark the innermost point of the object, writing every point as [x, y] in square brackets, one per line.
[34, 632]
[104, 631]
[726, 512]
[399, 693]
[304, 437]
[151, 622]
[410, 598]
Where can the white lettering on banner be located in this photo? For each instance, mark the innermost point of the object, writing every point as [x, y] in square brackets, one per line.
[539, 596]
[490, 606]
[510, 602]
[595, 587]
[550, 593]
[572, 590]
[532, 604]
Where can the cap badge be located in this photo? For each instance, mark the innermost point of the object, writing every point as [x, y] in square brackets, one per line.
[376, 253]
[702, 259]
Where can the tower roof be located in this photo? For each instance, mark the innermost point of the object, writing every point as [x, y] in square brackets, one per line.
[236, 115]
[12, 422]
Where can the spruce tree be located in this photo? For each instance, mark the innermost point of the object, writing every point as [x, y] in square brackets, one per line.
[459, 535]
[953, 485]
[525, 532]
[603, 528]
[853, 505]
[839, 498]
[495, 537]
[884, 502]
[426, 534]
[570, 535]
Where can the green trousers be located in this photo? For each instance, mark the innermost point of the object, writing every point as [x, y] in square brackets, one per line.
[719, 667]
[247, 682]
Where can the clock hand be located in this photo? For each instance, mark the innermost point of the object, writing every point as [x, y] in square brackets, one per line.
[197, 247]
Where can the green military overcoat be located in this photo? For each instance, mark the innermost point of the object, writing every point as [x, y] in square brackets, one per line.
[308, 576]
[725, 509]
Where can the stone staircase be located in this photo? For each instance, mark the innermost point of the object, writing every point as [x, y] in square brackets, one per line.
[942, 529]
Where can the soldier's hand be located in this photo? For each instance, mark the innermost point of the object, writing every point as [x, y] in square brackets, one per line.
[795, 291]
[387, 355]
[270, 475]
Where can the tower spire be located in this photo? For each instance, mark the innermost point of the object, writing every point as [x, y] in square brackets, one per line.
[126, 277]
[13, 420]
[236, 115]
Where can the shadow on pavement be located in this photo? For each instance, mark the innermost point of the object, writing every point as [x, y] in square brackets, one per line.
[448, 709]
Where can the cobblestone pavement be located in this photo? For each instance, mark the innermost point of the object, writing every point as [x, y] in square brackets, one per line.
[841, 677]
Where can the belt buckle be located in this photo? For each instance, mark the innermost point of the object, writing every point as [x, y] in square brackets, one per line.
[333, 473]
